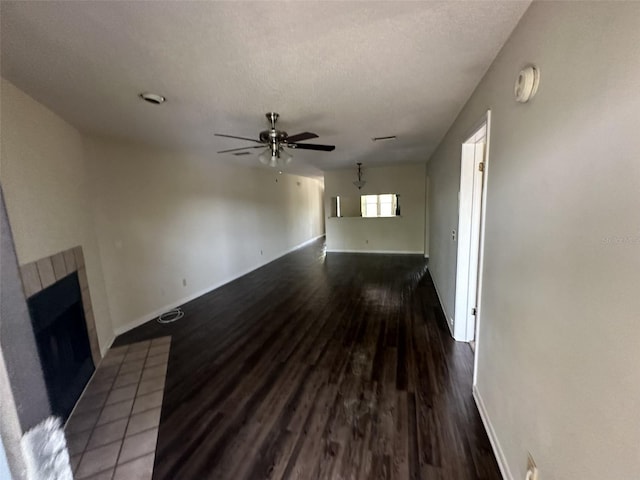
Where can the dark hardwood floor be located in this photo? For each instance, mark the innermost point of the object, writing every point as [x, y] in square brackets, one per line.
[336, 367]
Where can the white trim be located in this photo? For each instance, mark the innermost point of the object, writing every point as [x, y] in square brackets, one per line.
[108, 344]
[471, 133]
[470, 230]
[493, 438]
[448, 318]
[386, 252]
[425, 240]
[483, 219]
[468, 177]
[154, 314]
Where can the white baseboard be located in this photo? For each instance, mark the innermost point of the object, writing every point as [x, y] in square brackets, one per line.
[444, 309]
[156, 313]
[106, 347]
[386, 252]
[493, 439]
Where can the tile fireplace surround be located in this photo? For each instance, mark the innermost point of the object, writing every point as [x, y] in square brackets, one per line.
[38, 275]
[113, 429]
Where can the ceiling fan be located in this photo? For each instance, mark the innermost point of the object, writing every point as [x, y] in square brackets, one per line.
[275, 141]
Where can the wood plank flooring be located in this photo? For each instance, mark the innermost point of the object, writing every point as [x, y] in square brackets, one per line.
[334, 367]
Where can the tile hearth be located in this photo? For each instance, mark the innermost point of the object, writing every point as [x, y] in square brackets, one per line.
[113, 429]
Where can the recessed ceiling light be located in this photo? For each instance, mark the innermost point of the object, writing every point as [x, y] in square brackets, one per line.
[390, 137]
[152, 98]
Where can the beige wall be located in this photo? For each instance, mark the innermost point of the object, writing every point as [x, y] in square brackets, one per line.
[146, 219]
[559, 356]
[162, 217]
[45, 185]
[404, 234]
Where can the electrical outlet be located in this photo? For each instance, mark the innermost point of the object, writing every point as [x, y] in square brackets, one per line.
[453, 235]
[260, 252]
[184, 282]
[366, 241]
[532, 470]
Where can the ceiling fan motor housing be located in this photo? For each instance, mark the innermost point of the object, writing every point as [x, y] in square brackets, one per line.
[273, 137]
[270, 136]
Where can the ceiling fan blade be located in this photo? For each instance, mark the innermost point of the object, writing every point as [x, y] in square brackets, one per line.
[236, 149]
[239, 138]
[312, 146]
[299, 137]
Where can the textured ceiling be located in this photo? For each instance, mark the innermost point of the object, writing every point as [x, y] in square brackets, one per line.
[347, 71]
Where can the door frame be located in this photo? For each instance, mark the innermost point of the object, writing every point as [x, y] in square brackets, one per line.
[465, 325]
[483, 223]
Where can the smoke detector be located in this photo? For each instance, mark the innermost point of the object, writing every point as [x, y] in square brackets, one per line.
[526, 84]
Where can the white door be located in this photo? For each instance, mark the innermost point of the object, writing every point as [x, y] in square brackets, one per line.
[474, 247]
[469, 227]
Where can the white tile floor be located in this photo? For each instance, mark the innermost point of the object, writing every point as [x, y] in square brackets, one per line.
[112, 432]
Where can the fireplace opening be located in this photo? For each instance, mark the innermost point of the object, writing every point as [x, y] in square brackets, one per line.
[61, 335]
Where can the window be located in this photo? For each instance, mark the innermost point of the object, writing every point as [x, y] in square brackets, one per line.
[369, 206]
[383, 205]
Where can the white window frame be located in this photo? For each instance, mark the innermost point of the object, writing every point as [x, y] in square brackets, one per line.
[365, 202]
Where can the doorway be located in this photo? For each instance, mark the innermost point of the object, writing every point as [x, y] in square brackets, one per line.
[473, 169]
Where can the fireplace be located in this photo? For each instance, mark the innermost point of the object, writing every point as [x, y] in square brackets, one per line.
[63, 326]
[60, 329]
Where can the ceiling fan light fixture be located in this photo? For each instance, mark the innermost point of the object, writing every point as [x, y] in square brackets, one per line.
[275, 158]
[284, 158]
[265, 157]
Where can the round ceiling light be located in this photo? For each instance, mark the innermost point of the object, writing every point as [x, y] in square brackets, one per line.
[152, 98]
